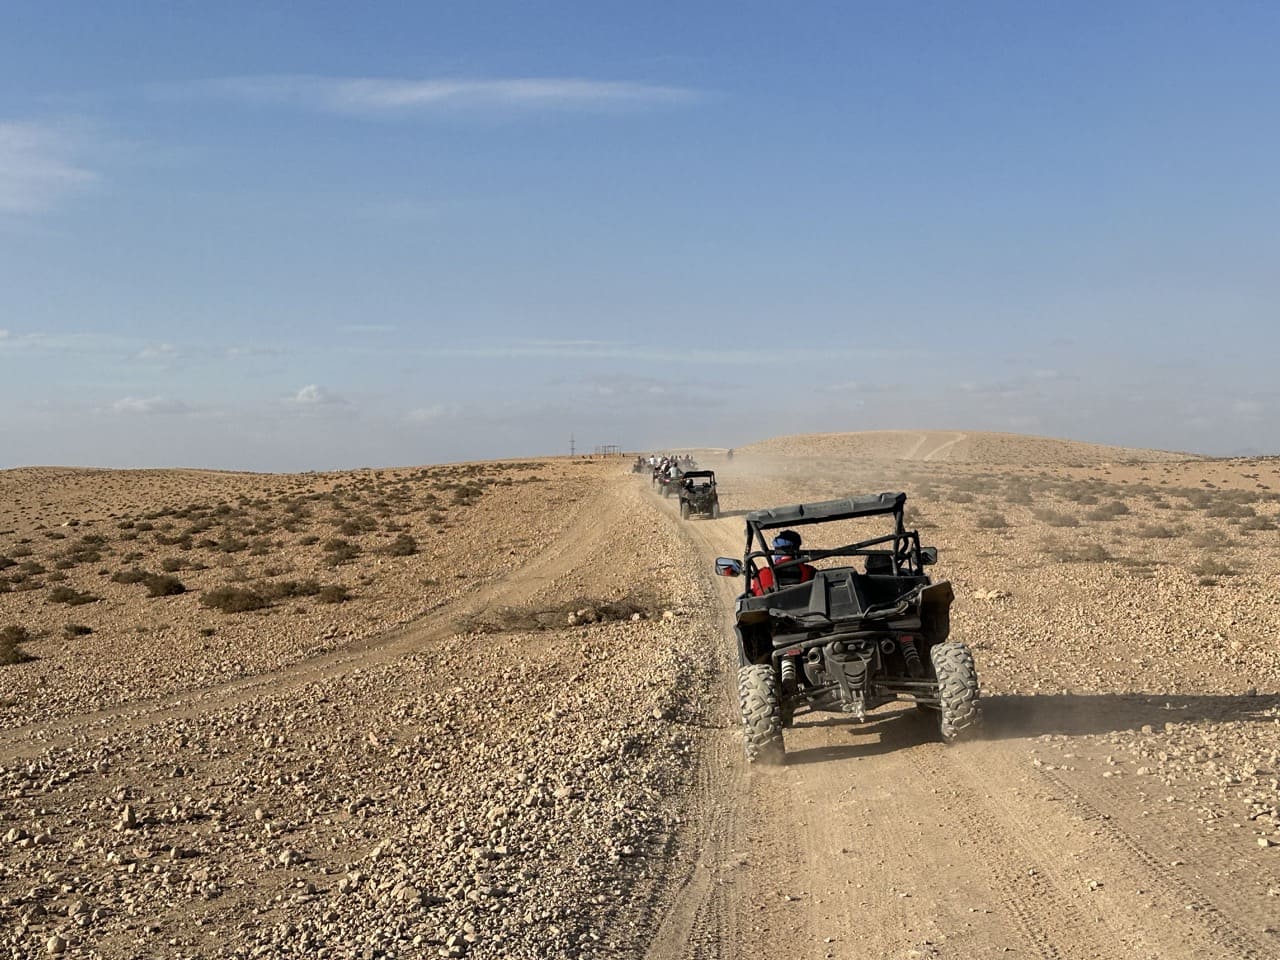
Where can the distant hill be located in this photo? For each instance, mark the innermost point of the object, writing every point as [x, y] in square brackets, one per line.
[957, 447]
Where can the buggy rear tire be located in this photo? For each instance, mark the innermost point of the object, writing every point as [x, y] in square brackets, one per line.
[684, 509]
[959, 711]
[761, 704]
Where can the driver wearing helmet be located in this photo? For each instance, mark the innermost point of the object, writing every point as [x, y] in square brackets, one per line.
[786, 546]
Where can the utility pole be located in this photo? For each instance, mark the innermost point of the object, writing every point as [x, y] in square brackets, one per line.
[571, 450]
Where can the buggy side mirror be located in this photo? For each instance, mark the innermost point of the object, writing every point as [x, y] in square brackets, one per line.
[928, 555]
[727, 567]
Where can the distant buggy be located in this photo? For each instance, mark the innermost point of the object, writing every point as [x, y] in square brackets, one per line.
[816, 633]
[698, 496]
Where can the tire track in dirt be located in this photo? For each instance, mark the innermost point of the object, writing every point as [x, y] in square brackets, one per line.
[584, 533]
[933, 454]
[1178, 896]
[1024, 873]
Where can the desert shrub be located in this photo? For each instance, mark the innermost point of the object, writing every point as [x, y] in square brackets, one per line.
[334, 593]
[70, 596]
[172, 564]
[70, 630]
[402, 546]
[21, 550]
[232, 544]
[7, 562]
[1258, 523]
[1227, 510]
[1154, 531]
[991, 521]
[309, 540]
[283, 589]
[339, 551]
[163, 585]
[11, 638]
[467, 493]
[64, 564]
[961, 497]
[57, 576]
[233, 600]
[1208, 568]
[130, 576]
[1107, 511]
[1054, 519]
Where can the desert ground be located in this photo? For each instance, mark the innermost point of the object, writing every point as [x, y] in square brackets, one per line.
[488, 710]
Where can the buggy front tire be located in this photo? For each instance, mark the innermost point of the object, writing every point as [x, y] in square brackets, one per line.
[715, 511]
[761, 704]
[959, 710]
[684, 509]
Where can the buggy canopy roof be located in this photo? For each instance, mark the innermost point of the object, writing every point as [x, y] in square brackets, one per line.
[799, 514]
[693, 474]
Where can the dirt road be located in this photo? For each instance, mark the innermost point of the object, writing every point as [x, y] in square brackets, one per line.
[877, 841]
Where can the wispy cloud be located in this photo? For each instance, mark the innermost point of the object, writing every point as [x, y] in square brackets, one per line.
[379, 95]
[38, 168]
[314, 395]
[159, 352]
[150, 405]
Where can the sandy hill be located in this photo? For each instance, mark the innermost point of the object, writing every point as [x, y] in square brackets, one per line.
[956, 447]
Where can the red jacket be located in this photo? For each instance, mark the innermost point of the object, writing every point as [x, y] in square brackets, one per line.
[763, 579]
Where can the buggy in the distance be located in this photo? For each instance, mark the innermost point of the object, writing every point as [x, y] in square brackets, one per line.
[844, 629]
[698, 496]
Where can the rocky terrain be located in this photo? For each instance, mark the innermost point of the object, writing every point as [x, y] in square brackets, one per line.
[513, 735]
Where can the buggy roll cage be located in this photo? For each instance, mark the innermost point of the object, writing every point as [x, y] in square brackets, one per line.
[904, 557]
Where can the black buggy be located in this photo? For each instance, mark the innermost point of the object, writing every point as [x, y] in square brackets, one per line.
[698, 495]
[816, 633]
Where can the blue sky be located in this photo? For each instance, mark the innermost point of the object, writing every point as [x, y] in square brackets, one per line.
[285, 236]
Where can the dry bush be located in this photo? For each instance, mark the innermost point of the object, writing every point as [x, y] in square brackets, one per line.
[284, 589]
[172, 564]
[1227, 510]
[334, 593]
[1154, 531]
[11, 638]
[1258, 523]
[339, 551]
[402, 546]
[130, 576]
[70, 630]
[163, 585]
[1053, 518]
[1107, 511]
[70, 596]
[1208, 568]
[233, 600]
[991, 521]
